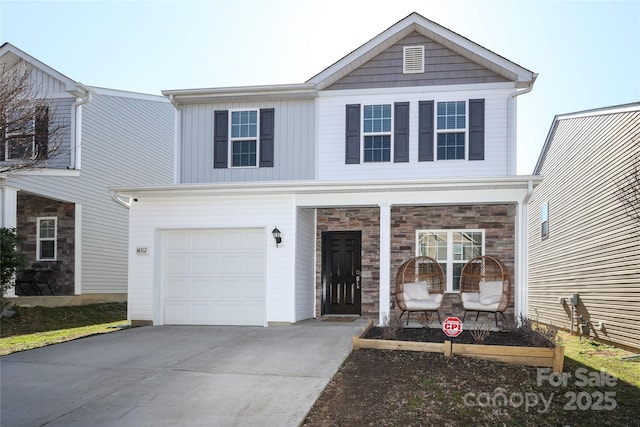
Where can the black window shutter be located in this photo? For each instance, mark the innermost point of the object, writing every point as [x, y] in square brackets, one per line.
[476, 129]
[41, 133]
[352, 145]
[401, 132]
[266, 137]
[425, 131]
[220, 139]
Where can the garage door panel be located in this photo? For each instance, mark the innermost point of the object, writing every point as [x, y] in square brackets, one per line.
[202, 289]
[202, 264]
[214, 277]
[175, 313]
[177, 265]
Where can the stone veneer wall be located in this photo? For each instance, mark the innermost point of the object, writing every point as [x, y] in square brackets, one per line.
[497, 220]
[366, 220]
[31, 207]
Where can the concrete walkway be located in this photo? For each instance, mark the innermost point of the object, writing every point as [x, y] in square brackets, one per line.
[176, 376]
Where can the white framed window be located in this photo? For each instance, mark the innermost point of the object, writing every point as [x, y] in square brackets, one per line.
[544, 221]
[47, 246]
[244, 131]
[22, 133]
[413, 59]
[452, 249]
[451, 125]
[376, 125]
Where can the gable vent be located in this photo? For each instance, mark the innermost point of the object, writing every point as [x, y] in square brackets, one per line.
[413, 59]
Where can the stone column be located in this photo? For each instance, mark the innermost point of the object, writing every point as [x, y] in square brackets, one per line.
[8, 219]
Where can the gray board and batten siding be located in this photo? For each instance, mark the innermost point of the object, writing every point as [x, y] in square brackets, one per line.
[294, 148]
[442, 67]
[593, 246]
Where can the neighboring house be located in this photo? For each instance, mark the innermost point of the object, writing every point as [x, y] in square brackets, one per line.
[63, 209]
[405, 146]
[581, 239]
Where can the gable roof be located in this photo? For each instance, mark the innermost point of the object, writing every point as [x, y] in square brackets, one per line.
[418, 23]
[11, 55]
[412, 23]
[616, 109]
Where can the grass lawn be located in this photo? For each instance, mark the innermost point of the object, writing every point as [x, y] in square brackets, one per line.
[41, 326]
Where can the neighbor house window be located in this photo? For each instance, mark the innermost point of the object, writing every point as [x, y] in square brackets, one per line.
[377, 133]
[24, 137]
[46, 243]
[544, 221]
[451, 119]
[244, 138]
[452, 249]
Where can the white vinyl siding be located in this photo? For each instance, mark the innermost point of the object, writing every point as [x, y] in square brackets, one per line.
[305, 256]
[331, 137]
[150, 216]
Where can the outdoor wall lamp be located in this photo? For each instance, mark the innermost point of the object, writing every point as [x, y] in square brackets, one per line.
[277, 236]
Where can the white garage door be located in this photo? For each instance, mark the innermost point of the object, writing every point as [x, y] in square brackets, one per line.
[214, 277]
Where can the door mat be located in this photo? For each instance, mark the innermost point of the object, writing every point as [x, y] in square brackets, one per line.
[339, 319]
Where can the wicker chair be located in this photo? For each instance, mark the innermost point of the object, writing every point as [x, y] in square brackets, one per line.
[420, 284]
[485, 286]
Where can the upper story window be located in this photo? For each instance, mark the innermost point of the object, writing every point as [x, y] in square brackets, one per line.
[452, 129]
[24, 136]
[452, 249]
[46, 242]
[377, 133]
[244, 138]
[544, 221]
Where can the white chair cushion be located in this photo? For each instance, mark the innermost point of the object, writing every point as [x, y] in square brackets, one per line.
[490, 292]
[470, 297]
[432, 302]
[478, 306]
[416, 291]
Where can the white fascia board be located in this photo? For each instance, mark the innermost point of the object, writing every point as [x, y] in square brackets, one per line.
[506, 86]
[44, 172]
[433, 31]
[291, 91]
[8, 48]
[314, 188]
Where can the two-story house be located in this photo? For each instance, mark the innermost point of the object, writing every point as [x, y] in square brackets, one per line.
[299, 201]
[61, 205]
[584, 240]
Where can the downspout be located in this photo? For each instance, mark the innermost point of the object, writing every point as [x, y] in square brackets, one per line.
[176, 141]
[121, 201]
[76, 127]
[522, 256]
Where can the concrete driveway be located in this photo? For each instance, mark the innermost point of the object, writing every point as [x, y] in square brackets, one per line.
[176, 376]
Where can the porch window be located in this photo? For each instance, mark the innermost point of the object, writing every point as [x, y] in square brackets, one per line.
[452, 249]
[47, 236]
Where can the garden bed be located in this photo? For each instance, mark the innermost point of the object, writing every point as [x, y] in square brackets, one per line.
[507, 347]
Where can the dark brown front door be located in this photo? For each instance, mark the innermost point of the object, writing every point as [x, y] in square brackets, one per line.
[341, 265]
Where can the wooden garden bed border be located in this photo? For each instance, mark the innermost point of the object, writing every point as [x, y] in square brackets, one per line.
[528, 356]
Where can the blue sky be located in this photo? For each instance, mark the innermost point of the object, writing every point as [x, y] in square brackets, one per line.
[587, 53]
